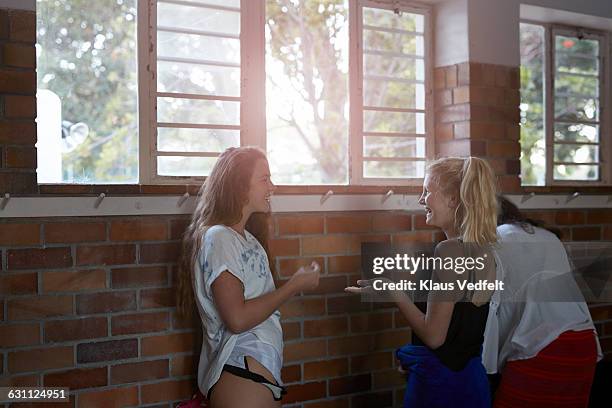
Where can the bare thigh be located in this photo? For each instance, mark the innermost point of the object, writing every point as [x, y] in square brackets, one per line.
[232, 391]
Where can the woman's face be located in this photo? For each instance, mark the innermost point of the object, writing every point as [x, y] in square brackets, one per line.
[261, 188]
[440, 208]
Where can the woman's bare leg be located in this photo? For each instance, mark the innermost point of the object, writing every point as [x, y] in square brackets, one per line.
[232, 391]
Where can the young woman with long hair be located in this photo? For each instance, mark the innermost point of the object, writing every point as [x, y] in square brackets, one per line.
[540, 335]
[225, 269]
[443, 365]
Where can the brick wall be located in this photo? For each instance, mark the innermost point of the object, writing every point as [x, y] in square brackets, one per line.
[17, 101]
[89, 303]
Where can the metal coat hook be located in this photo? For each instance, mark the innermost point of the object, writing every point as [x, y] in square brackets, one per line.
[181, 200]
[387, 196]
[5, 200]
[572, 197]
[326, 196]
[527, 197]
[99, 200]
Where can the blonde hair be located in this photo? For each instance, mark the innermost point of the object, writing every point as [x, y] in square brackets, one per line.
[471, 180]
[220, 202]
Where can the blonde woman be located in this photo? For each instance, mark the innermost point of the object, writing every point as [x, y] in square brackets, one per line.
[443, 365]
[225, 264]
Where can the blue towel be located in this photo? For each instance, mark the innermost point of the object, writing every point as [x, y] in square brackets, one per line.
[430, 384]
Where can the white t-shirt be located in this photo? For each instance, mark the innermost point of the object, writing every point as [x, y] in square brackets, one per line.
[224, 249]
[540, 299]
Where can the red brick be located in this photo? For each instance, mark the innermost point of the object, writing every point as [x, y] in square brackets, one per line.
[107, 351]
[349, 264]
[23, 283]
[305, 392]
[305, 350]
[392, 222]
[391, 339]
[19, 106]
[139, 323]
[19, 380]
[19, 183]
[166, 391]
[39, 307]
[22, 26]
[349, 385]
[346, 304]
[33, 258]
[69, 281]
[4, 24]
[291, 374]
[569, 217]
[291, 331]
[289, 266]
[599, 217]
[159, 253]
[106, 302]
[453, 113]
[371, 322]
[330, 284]
[40, 359]
[509, 184]
[461, 95]
[303, 306]
[350, 345]
[155, 298]
[439, 78]
[284, 247]
[412, 237]
[19, 55]
[14, 335]
[586, 233]
[607, 234]
[387, 378]
[180, 322]
[106, 255]
[75, 232]
[141, 371]
[184, 364]
[77, 378]
[329, 403]
[167, 344]
[443, 97]
[333, 326]
[19, 82]
[371, 362]
[328, 244]
[348, 223]
[300, 224]
[378, 399]
[318, 370]
[20, 157]
[451, 76]
[139, 277]
[177, 228]
[138, 231]
[12, 234]
[114, 397]
[503, 149]
[77, 329]
[16, 132]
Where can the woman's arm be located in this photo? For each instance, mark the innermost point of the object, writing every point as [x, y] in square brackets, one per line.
[240, 315]
[432, 326]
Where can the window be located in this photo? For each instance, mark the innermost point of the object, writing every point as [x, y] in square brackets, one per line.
[336, 92]
[564, 117]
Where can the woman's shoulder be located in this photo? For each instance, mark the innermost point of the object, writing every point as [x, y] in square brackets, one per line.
[217, 233]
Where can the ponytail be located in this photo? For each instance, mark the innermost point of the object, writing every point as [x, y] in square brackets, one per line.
[478, 196]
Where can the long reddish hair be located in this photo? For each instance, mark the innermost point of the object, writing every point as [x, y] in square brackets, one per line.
[220, 202]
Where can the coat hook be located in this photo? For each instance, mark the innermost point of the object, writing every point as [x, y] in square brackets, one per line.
[99, 200]
[181, 200]
[5, 200]
[387, 196]
[527, 197]
[326, 196]
[572, 197]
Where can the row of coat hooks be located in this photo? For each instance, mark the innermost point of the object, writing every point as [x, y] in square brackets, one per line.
[100, 198]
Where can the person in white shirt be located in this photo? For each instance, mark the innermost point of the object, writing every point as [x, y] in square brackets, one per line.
[539, 333]
[226, 266]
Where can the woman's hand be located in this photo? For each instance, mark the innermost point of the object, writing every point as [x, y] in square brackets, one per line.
[306, 278]
[366, 287]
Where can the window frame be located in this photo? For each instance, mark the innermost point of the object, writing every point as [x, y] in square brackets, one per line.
[252, 89]
[605, 98]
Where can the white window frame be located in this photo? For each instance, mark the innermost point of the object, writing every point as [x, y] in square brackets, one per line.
[605, 108]
[252, 88]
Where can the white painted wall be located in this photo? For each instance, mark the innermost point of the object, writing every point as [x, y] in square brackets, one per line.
[18, 4]
[494, 32]
[451, 32]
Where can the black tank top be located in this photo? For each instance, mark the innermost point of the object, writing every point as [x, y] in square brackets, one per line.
[465, 334]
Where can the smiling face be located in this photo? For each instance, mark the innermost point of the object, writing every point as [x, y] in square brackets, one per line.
[439, 207]
[260, 189]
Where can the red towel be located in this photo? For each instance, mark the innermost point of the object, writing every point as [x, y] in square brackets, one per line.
[559, 376]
